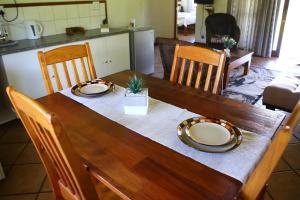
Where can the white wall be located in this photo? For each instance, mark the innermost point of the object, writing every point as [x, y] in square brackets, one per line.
[158, 14]
[121, 11]
[162, 17]
[55, 19]
[220, 6]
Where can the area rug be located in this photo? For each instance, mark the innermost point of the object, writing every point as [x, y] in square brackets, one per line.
[249, 88]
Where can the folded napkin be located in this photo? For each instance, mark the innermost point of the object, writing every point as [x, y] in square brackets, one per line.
[162, 121]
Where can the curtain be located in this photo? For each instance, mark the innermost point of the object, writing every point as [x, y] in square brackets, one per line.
[257, 20]
[191, 6]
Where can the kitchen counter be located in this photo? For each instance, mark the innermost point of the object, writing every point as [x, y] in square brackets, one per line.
[52, 40]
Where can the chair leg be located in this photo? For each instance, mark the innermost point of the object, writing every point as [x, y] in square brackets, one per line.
[262, 194]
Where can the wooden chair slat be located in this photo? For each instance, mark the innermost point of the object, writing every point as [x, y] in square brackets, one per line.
[64, 55]
[182, 70]
[208, 77]
[258, 179]
[45, 72]
[174, 66]
[190, 73]
[75, 71]
[90, 61]
[57, 79]
[67, 74]
[86, 78]
[202, 56]
[199, 76]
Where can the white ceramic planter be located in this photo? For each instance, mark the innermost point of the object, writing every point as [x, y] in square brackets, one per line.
[227, 52]
[136, 104]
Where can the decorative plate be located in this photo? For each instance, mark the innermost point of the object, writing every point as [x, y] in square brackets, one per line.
[185, 138]
[212, 132]
[92, 88]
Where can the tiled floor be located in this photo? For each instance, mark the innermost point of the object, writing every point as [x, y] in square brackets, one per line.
[26, 178]
[25, 175]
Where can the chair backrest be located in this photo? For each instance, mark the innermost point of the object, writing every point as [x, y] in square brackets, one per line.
[202, 57]
[167, 50]
[63, 56]
[68, 176]
[258, 179]
[221, 24]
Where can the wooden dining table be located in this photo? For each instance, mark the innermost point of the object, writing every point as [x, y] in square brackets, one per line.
[136, 167]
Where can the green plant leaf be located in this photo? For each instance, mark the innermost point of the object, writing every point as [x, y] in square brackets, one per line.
[135, 84]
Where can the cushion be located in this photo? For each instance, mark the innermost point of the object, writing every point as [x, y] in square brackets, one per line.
[283, 92]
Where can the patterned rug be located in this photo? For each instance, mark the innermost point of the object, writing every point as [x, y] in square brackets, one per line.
[249, 88]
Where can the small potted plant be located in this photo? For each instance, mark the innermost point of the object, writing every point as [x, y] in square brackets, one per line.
[228, 44]
[136, 97]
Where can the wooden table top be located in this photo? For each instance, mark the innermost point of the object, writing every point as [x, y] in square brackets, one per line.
[237, 53]
[139, 168]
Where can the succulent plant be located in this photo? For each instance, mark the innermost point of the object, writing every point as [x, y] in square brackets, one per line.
[135, 84]
[229, 42]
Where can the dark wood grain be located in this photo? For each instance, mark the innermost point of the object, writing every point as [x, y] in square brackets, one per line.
[138, 168]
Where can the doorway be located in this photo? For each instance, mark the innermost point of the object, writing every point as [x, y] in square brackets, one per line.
[291, 41]
[186, 20]
[286, 42]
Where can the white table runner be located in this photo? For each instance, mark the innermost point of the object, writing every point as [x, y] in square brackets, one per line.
[160, 125]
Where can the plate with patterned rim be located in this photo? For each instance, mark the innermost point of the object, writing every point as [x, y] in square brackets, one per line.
[208, 131]
[92, 88]
[234, 143]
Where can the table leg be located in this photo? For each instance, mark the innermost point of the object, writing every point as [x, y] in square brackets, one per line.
[2, 175]
[247, 67]
[226, 77]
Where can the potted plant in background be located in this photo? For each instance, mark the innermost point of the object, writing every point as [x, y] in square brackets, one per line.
[228, 44]
[136, 97]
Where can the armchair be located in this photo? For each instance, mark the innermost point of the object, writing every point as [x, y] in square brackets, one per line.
[219, 25]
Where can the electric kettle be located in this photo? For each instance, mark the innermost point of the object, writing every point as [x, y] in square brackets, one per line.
[34, 29]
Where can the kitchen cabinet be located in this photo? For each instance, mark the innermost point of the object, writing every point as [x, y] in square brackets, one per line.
[111, 54]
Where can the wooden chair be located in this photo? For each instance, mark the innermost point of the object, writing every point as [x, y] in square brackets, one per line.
[255, 185]
[62, 56]
[202, 57]
[68, 176]
[167, 50]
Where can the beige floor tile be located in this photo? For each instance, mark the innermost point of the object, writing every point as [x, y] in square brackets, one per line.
[29, 155]
[10, 152]
[282, 166]
[23, 179]
[284, 186]
[267, 196]
[297, 132]
[19, 197]
[292, 156]
[294, 140]
[46, 196]
[46, 186]
[15, 133]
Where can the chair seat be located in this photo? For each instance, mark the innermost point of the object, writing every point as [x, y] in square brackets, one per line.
[283, 93]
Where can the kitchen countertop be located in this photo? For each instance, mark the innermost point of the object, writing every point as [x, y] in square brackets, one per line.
[52, 40]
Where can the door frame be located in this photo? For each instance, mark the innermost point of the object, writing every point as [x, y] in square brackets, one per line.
[175, 20]
[276, 53]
